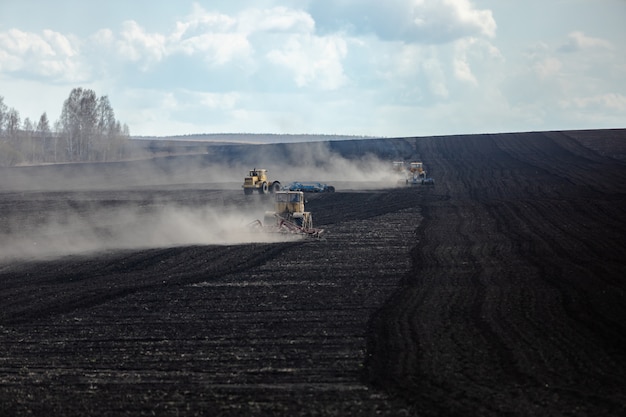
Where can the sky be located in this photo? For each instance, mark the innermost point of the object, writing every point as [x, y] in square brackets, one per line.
[336, 67]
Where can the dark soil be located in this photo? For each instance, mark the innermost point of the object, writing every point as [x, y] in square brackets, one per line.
[500, 291]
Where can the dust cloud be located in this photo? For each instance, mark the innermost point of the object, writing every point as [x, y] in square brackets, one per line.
[310, 162]
[132, 228]
[319, 163]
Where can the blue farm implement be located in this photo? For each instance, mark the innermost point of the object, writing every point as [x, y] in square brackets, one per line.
[311, 187]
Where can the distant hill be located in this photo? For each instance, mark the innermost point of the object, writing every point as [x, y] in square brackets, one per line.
[263, 148]
[158, 146]
[250, 138]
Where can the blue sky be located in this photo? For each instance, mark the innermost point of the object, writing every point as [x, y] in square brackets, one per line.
[350, 67]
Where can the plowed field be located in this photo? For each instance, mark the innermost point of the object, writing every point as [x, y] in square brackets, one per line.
[501, 290]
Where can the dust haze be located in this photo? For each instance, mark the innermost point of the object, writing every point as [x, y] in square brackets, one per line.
[171, 225]
[317, 162]
[313, 161]
[164, 202]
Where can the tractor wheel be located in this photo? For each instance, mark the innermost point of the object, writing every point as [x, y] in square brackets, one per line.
[331, 189]
[263, 188]
[275, 187]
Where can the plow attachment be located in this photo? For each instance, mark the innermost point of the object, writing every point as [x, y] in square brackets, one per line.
[278, 224]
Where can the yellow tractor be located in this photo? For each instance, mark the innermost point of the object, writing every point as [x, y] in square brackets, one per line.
[417, 168]
[288, 215]
[417, 173]
[400, 171]
[257, 180]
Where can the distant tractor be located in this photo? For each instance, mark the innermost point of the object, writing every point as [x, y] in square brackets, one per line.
[412, 173]
[257, 180]
[288, 216]
[399, 166]
[417, 174]
[417, 168]
[400, 172]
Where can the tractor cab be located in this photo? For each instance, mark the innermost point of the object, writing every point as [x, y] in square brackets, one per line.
[417, 168]
[289, 202]
[260, 173]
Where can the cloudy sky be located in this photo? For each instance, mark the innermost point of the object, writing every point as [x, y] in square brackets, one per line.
[354, 67]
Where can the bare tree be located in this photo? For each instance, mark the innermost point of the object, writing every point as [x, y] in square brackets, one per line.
[3, 115]
[86, 131]
[43, 136]
[13, 123]
[9, 146]
[124, 137]
[106, 128]
[78, 123]
[55, 145]
[27, 140]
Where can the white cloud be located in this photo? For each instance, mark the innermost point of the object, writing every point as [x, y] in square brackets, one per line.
[276, 19]
[461, 62]
[137, 45]
[398, 64]
[212, 35]
[463, 72]
[419, 21]
[60, 44]
[216, 48]
[436, 78]
[50, 55]
[578, 41]
[217, 38]
[202, 21]
[224, 101]
[448, 20]
[103, 37]
[610, 102]
[415, 74]
[547, 67]
[168, 101]
[313, 60]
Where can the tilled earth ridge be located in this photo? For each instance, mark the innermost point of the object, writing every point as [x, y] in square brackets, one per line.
[258, 329]
[516, 300]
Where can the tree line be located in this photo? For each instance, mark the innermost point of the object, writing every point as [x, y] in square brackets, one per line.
[86, 131]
